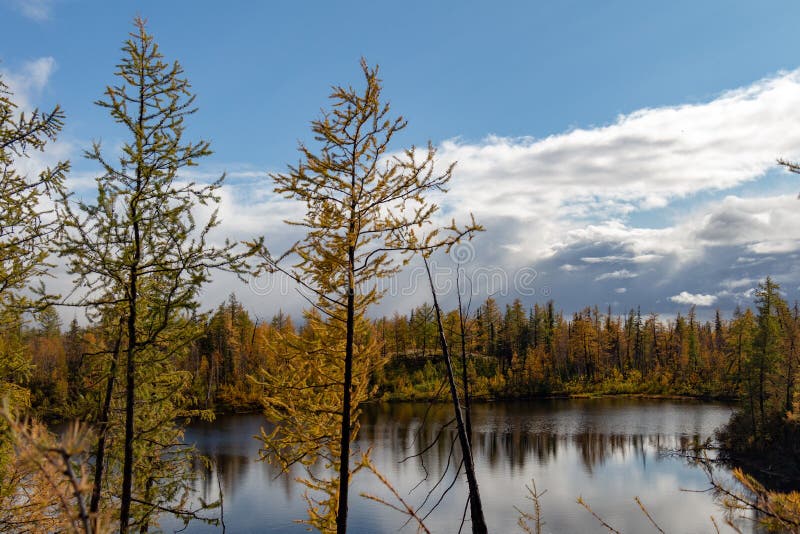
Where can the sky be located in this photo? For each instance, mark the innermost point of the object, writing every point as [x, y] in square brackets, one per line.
[619, 153]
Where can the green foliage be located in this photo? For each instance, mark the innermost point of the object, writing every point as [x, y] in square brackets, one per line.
[140, 258]
[762, 363]
[25, 228]
[25, 224]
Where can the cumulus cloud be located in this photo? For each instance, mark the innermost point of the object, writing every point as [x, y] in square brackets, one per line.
[584, 184]
[568, 203]
[642, 258]
[692, 299]
[644, 159]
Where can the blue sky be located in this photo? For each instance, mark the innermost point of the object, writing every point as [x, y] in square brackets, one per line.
[622, 151]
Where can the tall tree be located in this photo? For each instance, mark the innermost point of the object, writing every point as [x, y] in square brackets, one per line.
[363, 205]
[139, 253]
[766, 350]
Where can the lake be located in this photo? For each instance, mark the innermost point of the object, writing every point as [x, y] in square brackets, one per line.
[606, 450]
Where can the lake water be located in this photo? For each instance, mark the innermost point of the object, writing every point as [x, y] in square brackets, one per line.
[606, 450]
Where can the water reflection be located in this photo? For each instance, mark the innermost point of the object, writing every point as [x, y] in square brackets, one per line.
[517, 433]
[606, 450]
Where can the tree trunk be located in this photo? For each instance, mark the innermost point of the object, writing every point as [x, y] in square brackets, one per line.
[464, 377]
[476, 508]
[130, 367]
[344, 454]
[102, 419]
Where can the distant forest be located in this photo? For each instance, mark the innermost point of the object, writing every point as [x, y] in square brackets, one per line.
[512, 352]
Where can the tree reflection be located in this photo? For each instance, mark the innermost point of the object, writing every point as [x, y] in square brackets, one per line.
[509, 439]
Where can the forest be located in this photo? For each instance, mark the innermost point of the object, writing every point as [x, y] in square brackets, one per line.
[151, 355]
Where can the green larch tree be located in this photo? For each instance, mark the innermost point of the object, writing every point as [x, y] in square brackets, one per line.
[26, 226]
[25, 221]
[140, 255]
[766, 352]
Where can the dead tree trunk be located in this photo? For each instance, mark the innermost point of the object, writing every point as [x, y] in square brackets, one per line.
[476, 508]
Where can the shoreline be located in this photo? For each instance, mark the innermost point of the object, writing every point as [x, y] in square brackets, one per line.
[241, 410]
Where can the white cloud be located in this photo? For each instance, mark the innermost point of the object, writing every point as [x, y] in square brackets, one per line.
[38, 10]
[616, 275]
[571, 198]
[732, 284]
[585, 183]
[684, 297]
[775, 246]
[642, 258]
[620, 290]
[27, 83]
[759, 225]
[605, 259]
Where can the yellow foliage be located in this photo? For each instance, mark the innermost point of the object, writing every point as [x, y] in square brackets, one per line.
[302, 395]
[46, 487]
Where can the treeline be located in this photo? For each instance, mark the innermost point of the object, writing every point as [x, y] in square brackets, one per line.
[512, 352]
[543, 351]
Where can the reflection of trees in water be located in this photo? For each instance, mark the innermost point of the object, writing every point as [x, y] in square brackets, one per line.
[517, 448]
[226, 468]
[230, 470]
[406, 429]
[228, 445]
[594, 448]
[503, 436]
[400, 428]
[203, 472]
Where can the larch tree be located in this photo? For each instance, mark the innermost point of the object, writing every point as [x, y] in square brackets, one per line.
[302, 394]
[26, 225]
[765, 356]
[365, 208]
[140, 258]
